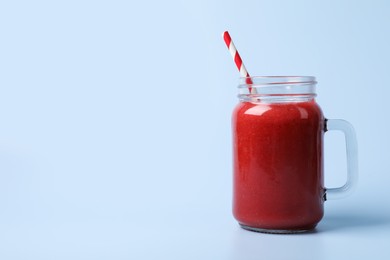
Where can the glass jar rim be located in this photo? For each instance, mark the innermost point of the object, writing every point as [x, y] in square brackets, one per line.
[277, 89]
[276, 80]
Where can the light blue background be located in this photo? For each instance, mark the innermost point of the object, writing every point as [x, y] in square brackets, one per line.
[115, 125]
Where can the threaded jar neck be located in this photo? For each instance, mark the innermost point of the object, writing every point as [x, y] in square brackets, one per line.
[277, 89]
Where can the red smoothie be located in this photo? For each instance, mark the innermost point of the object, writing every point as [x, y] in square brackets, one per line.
[278, 165]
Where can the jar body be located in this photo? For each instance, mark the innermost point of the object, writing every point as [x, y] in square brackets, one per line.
[278, 165]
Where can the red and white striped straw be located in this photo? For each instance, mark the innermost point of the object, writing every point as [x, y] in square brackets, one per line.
[237, 59]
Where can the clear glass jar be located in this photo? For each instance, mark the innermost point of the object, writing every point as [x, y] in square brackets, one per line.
[278, 131]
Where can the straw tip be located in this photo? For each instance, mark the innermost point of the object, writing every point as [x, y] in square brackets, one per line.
[226, 37]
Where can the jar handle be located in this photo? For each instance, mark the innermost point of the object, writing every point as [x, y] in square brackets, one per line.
[352, 158]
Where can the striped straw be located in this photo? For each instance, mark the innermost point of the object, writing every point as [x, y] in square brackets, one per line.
[237, 59]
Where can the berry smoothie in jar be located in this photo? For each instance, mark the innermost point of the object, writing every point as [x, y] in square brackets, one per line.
[278, 130]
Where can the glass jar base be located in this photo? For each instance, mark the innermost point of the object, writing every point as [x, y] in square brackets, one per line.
[278, 231]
